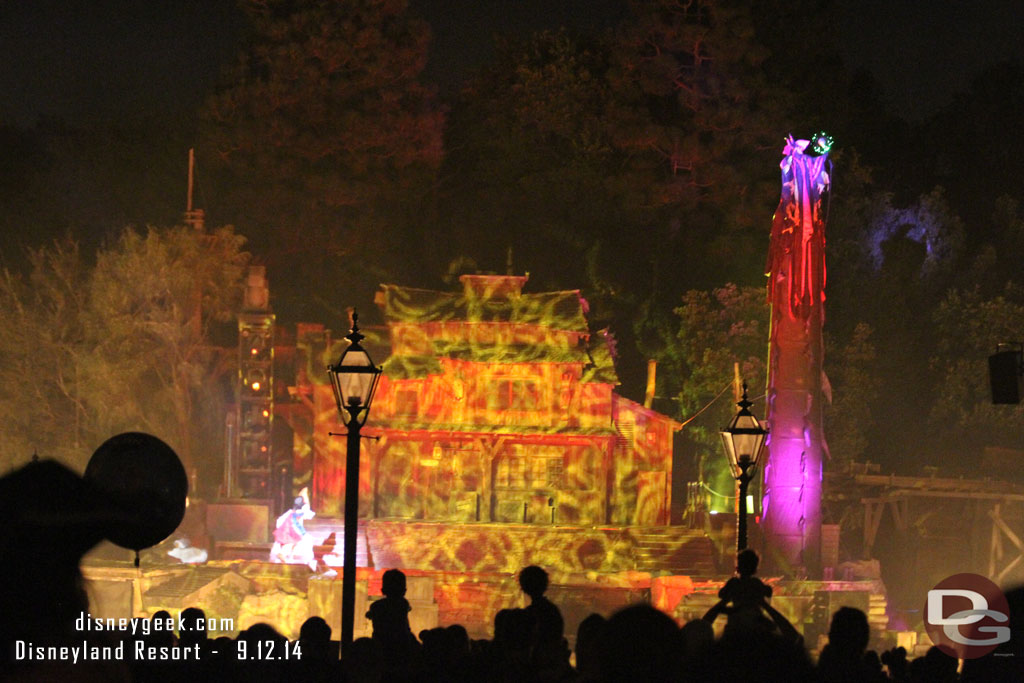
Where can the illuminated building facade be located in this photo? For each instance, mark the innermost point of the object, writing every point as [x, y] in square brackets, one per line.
[496, 406]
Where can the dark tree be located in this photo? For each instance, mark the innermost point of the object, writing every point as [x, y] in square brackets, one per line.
[324, 141]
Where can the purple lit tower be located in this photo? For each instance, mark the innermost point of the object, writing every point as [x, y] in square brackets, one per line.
[796, 293]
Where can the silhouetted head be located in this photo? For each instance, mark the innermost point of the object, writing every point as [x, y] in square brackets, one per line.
[938, 667]
[433, 638]
[849, 630]
[392, 584]
[298, 503]
[458, 638]
[588, 644]
[533, 580]
[513, 629]
[193, 626]
[746, 562]
[261, 632]
[591, 628]
[49, 518]
[641, 643]
[161, 635]
[502, 625]
[315, 630]
[315, 637]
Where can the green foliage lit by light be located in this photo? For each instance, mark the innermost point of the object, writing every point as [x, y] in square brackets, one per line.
[121, 345]
[713, 331]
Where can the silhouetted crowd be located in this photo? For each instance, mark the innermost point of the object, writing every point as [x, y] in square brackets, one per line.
[42, 596]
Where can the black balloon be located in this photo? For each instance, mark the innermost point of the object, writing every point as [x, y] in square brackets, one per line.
[144, 482]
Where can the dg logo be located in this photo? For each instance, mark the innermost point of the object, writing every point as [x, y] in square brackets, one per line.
[967, 616]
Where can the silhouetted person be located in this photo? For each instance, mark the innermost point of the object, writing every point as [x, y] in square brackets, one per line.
[318, 661]
[261, 638]
[549, 623]
[843, 660]
[49, 517]
[193, 628]
[1006, 662]
[756, 651]
[458, 641]
[160, 635]
[938, 667]
[698, 639]
[549, 648]
[511, 652]
[896, 662]
[641, 643]
[315, 638]
[445, 653]
[745, 591]
[589, 635]
[390, 619]
[390, 615]
[222, 660]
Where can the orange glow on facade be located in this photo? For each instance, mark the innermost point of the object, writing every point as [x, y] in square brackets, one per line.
[496, 406]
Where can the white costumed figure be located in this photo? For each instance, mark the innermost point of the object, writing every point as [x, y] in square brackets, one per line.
[292, 543]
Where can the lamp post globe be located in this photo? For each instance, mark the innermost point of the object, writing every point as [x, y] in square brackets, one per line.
[354, 378]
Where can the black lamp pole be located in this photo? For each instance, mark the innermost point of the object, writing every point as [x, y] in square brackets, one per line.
[348, 575]
[354, 380]
[741, 521]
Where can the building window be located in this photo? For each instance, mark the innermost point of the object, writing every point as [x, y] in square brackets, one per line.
[553, 473]
[510, 474]
[529, 472]
[514, 394]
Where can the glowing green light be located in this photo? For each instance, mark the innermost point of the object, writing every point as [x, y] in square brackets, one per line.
[821, 143]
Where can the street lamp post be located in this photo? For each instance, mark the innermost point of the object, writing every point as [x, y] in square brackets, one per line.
[744, 441]
[354, 380]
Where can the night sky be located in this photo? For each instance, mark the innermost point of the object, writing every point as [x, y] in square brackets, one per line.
[104, 59]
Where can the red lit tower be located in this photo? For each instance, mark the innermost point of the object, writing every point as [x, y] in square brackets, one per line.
[796, 293]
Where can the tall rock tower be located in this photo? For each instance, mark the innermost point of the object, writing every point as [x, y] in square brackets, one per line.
[796, 293]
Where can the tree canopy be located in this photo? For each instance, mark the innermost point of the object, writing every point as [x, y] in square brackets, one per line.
[127, 343]
[322, 139]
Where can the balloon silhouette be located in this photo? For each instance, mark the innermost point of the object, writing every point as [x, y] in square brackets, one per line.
[142, 478]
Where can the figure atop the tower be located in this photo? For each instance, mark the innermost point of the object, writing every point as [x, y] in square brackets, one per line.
[799, 222]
